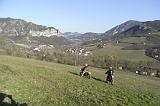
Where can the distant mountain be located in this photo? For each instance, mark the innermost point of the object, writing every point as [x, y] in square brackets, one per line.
[126, 29]
[20, 31]
[144, 29]
[18, 27]
[71, 35]
[132, 29]
[129, 28]
[89, 36]
[121, 28]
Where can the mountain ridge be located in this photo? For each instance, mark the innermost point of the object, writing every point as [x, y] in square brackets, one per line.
[28, 33]
[127, 29]
[19, 27]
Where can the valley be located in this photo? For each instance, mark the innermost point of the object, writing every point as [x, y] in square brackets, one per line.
[39, 65]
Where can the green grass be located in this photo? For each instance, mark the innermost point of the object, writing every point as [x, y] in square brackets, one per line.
[136, 40]
[40, 83]
[115, 50]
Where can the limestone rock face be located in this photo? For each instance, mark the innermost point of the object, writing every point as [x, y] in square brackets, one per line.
[48, 32]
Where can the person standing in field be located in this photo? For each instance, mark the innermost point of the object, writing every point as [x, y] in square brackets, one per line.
[109, 75]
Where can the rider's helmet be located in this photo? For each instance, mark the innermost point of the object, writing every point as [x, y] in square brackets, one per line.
[86, 65]
[111, 68]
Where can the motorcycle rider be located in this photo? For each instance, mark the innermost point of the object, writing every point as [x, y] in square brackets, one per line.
[84, 70]
[109, 75]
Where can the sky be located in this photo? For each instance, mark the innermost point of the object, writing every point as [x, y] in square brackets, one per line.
[81, 15]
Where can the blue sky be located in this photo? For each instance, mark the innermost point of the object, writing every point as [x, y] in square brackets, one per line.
[81, 15]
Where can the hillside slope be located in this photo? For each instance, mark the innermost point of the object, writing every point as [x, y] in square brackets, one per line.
[40, 83]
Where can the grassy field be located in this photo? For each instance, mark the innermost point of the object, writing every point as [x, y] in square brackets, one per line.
[115, 50]
[135, 40]
[40, 83]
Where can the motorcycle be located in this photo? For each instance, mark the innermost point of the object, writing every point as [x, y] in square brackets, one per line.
[86, 74]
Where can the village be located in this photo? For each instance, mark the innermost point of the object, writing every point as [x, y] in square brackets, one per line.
[79, 51]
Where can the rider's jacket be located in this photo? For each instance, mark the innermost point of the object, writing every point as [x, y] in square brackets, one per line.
[84, 69]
